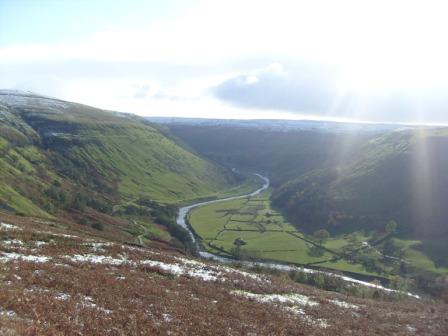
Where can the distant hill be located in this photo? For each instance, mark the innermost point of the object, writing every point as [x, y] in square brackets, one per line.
[281, 125]
[281, 154]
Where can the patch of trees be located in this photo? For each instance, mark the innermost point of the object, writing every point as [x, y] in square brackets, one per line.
[436, 285]
[13, 136]
[132, 209]
[336, 284]
[165, 215]
[168, 209]
[63, 198]
[94, 224]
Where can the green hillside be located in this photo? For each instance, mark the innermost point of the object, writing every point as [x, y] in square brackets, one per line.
[399, 176]
[282, 155]
[67, 159]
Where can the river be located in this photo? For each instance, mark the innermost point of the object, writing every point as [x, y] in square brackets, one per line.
[183, 212]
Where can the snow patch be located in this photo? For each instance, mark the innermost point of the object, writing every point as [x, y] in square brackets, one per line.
[167, 318]
[98, 246]
[7, 313]
[343, 304]
[35, 289]
[13, 242]
[62, 296]
[40, 243]
[88, 302]
[218, 270]
[95, 259]
[17, 256]
[296, 310]
[291, 303]
[8, 227]
[200, 272]
[293, 298]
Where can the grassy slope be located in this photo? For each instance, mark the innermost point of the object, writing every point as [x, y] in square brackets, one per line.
[146, 163]
[110, 158]
[280, 155]
[124, 149]
[22, 165]
[399, 176]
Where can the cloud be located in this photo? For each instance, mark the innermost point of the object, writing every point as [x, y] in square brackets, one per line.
[301, 89]
[142, 92]
[316, 90]
[212, 52]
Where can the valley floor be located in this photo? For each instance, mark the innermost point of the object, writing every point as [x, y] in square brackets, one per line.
[266, 234]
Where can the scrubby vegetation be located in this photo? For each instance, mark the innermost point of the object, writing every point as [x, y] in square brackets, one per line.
[55, 281]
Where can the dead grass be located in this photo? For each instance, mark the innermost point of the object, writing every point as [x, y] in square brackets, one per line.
[128, 296]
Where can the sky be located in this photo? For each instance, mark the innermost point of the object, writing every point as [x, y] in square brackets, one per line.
[345, 60]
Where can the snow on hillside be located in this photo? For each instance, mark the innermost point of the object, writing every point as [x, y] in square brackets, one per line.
[26, 98]
[59, 282]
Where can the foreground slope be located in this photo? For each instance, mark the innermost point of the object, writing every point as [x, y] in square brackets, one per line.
[55, 281]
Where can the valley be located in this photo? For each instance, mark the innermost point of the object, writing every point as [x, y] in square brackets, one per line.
[89, 194]
[223, 168]
[264, 234]
[346, 183]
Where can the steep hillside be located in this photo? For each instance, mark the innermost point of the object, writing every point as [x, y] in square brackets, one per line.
[55, 281]
[399, 176]
[66, 159]
[280, 154]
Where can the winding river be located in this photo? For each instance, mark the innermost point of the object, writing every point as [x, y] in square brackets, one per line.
[183, 212]
[181, 220]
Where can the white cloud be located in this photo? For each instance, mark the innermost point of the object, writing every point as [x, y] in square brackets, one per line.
[374, 46]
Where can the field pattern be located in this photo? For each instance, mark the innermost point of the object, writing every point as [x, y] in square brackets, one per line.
[250, 228]
[261, 231]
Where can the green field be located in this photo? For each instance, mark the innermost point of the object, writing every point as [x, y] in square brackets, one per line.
[267, 235]
[417, 258]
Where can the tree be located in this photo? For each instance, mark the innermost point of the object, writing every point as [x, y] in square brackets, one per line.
[390, 248]
[79, 202]
[239, 242]
[391, 227]
[237, 249]
[321, 236]
[315, 251]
